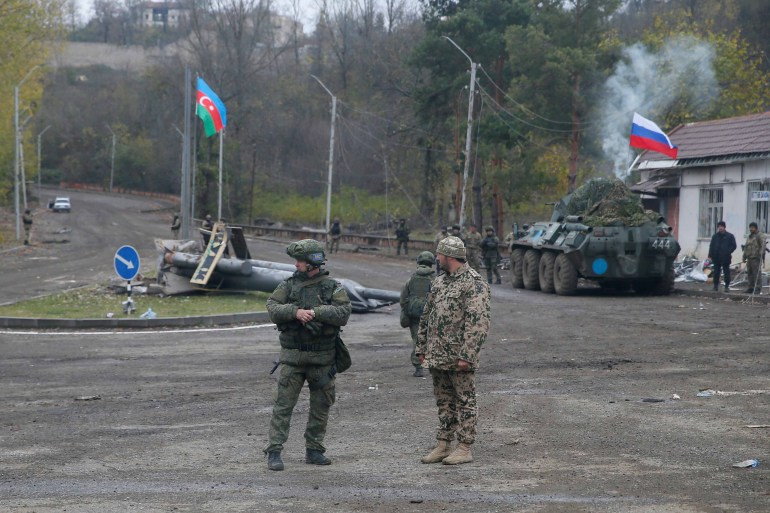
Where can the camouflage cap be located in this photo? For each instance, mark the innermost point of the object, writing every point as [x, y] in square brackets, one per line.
[426, 258]
[451, 247]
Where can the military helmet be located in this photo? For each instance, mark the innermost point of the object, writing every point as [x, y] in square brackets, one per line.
[208, 217]
[426, 258]
[452, 247]
[444, 229]
[490, 228]
[27, 211]
[307, 250]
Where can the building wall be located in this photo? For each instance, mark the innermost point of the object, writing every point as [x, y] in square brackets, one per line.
[734, 180]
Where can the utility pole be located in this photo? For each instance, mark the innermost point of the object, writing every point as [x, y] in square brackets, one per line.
[17, 150]
[331, 157]
[112, 164]
[39, 164]
[468, 134]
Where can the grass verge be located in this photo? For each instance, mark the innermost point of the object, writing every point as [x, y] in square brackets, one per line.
[96, 302]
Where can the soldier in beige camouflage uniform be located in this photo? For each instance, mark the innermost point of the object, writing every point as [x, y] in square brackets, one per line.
[753, 252]
[452, 330]
[473, 247]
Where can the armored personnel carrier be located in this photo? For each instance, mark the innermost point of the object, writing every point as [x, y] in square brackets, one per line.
[602, 233]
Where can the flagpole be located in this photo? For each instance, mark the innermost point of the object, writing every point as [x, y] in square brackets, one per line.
[185, 185]
[221, 147]
[634, 162]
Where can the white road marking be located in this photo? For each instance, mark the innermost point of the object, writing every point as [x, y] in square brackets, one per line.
[135, 331]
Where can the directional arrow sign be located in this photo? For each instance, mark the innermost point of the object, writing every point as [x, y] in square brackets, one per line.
[127, 262]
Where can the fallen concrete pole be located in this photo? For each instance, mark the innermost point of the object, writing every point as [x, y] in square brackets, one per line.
[262, 275]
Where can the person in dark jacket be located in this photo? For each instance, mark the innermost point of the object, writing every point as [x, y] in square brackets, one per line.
[720, 252]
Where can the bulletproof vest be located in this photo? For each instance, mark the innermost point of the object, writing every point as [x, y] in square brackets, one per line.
[307, 294]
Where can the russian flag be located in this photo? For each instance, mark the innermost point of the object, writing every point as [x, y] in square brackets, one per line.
[648, 136]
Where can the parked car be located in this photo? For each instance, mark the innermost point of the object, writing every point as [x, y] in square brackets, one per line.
[61, 205]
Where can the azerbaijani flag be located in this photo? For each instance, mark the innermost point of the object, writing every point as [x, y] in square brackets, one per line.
[648, 136]
[210, 109]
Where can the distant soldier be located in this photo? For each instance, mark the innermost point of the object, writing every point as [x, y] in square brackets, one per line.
[402, 237]
[473, 247]
[490, 247]
[414, 294]
[456, 232]
[27, 220]
[453, 327]
[208, 224]
[512, 236]
[335, 233]
[308, 309]
[175, 225]
[753, 252]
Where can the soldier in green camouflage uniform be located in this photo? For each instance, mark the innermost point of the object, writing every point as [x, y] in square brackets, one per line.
[490, 247]
[472, 242]
[308, 309]
[452, 330]
[413, 297]
[753, 252]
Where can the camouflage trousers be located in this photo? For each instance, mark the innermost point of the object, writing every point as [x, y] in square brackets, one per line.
[456, 400]
[290, 385]
[752, 274]
[404, 244]
[413, 329]
[491, 264]
[334, 244]
[474, 258]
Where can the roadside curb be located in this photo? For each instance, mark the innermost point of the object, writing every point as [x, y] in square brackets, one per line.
[159, 322]
[732, 296]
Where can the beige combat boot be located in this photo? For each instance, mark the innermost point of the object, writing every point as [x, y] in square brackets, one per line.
[460, 455]
[442, 450]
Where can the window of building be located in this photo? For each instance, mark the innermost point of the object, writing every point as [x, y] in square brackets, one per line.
[758, 209]
[711, 211]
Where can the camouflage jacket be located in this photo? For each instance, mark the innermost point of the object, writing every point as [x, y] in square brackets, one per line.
[755, 246]
[327, 298]
[491, 247]
[455, 322]
[418, 286]
[472, 241]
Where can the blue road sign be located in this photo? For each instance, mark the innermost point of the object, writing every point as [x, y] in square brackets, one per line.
[127, 262]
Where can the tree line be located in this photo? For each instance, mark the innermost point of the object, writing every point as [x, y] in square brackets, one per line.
[557, 83]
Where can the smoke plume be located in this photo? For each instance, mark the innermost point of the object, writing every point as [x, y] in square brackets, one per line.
[649, 83]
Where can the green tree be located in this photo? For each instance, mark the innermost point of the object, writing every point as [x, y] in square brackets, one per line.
[27, 30]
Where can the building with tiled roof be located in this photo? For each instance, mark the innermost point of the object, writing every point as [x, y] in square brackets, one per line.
[722, 172]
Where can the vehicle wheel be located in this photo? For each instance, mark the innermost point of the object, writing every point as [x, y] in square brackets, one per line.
[665, 285]
[517, 268]
[545, 271]
[565, 276]
[530, 269]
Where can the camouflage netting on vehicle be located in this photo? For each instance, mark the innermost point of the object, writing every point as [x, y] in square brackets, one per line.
[607, 202]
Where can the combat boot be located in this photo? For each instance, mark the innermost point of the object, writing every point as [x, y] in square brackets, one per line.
[499, 281]
[274, 461]
[316, 457]
[442, 450]
[460, 455]
[419, 372]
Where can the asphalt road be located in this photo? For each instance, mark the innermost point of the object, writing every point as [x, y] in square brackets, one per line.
[575, 394]
[76, 249]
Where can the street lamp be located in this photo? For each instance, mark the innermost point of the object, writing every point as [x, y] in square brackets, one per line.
[331, 156]
[39, 165]
[468, 133]
[112, 164]
[17, 146]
